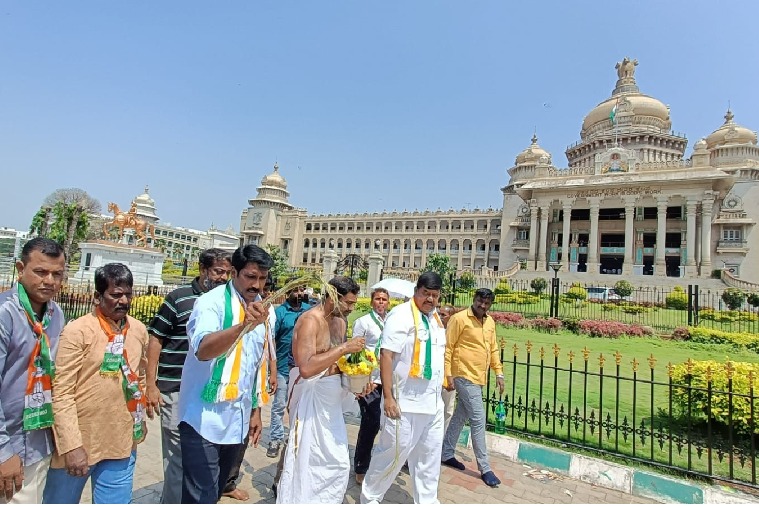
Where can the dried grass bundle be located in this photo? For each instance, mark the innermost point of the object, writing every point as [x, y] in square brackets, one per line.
[307, 279]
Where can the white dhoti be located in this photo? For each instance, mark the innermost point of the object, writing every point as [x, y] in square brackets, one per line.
[415, 437]
[317, 463]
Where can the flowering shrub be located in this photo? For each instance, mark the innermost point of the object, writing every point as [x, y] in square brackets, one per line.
[681, 334]
[548, 325]
[720, 401]
[736, 339]
[364, 304]
[517, 298]
[727, 316]
[145, 307]
[678, 299]
[502, 287]
[576, 292]
[508, 319]
[602, 328]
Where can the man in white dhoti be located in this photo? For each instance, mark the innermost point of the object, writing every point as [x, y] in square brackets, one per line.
[412, 370]
[317, 464]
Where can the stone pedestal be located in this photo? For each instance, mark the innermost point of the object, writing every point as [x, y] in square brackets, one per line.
[329, 265]
[146, 264]
[375, 268]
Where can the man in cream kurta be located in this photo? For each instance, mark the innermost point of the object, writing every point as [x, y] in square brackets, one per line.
[411, 367]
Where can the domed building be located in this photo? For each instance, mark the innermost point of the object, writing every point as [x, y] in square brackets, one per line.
[145, 206]
[627, 204]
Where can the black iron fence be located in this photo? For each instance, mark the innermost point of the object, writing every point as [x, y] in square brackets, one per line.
[661, 308]
[697, 419]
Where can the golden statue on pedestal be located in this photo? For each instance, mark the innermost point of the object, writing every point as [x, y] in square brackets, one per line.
[122, 220]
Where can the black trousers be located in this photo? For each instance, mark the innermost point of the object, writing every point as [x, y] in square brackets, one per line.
[234, 473]
[205, 466]
[371, 411]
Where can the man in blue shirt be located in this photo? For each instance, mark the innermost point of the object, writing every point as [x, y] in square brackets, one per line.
[218, 398]
[287, 314]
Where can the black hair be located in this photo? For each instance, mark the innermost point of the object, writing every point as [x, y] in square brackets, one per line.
[379, 290]
[344, 285]
[208, 257]
[115, 274]
[430, 280]
[47, 247]
[251, 254]
[484, 293]
[269, 280]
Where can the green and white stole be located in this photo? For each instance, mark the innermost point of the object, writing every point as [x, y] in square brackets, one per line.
[223, 385]
[38, 401]
[416, 370]
[381, 327]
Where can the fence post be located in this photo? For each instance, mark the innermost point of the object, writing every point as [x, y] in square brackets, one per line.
[690, 305]
[695, 306]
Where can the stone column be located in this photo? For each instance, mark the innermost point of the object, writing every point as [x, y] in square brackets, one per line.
[533, 236]
[329, 264]
[706, 237]
[660, 268]
[541, 263]
[592, 262]
[375, 268]
[566, 219]
[627, 267]
[690, 238]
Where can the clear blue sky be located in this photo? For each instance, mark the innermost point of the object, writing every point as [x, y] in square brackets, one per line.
[366, 105]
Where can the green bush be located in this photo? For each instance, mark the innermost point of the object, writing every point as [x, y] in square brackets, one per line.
[145, 307]
[522, 298]
[733, 298]
[623, 288]
[467, 281]
[678, 299]
[576, 292]
[720, 400]
[539, 285]
[738, 340]
[753, 299]
[502, 287]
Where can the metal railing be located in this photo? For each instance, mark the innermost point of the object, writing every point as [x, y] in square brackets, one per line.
[682, 422]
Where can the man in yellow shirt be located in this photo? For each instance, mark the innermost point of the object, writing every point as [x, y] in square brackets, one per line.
[471, 347]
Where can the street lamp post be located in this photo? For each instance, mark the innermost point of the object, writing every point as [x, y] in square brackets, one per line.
[554, 302]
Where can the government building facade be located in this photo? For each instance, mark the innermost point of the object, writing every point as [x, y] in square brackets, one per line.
[628, 203]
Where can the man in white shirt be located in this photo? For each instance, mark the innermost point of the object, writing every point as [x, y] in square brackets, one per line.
[370, 328]
[218, 398]
[412, 370]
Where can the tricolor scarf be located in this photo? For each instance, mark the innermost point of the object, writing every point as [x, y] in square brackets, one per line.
[116, 360]
[38, 401]
[381, 327]
[260, 394]
[416, 371]
[225, 376]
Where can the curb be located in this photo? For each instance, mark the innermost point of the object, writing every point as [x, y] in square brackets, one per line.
[610, 475]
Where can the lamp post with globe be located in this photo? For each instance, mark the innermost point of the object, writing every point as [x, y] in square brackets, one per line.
[554, 301]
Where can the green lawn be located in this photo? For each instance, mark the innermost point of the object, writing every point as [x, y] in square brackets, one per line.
[618, 395]
[660, 319]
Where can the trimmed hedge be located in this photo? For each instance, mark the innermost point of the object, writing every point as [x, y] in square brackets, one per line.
[145, 307]
[720, 401]
[739, 340]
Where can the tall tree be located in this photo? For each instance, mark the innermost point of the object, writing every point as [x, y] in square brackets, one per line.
[64, 217]
[441, 264]
[281, 265]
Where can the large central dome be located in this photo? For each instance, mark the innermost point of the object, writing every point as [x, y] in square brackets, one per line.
[635, 112]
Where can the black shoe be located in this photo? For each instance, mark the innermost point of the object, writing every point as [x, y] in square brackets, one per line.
[273, 450]
[490, 479]
[274, 489]
[452, 462]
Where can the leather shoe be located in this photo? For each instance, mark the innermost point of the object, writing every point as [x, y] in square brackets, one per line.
[452, 462]
[490, 479]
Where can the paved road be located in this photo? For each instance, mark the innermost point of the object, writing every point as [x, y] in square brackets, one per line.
[520, 483]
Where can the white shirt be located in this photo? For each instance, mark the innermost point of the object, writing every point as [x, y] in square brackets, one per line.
[220, 422]
[367, 328]
[415, 395]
